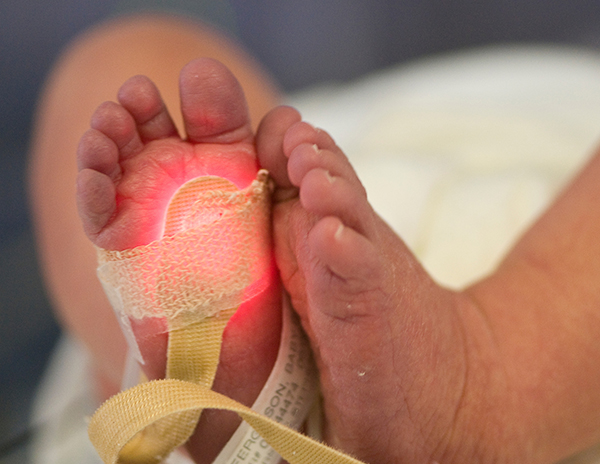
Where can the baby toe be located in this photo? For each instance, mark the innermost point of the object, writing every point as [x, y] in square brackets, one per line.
[269, 143]
[306, 157]
[303, 132]
[114, 121]
[98, 152]
[95, 200]
[142, 99]
[323, 194]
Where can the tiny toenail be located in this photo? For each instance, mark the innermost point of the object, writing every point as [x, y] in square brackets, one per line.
[330, 178]
[338, 233]
[361, 373]
[348, 306]
[316, 148]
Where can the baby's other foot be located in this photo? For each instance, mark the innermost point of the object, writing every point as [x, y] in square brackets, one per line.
[389, 342]
[131, 162]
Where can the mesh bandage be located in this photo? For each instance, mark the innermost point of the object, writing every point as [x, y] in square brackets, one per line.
[215, 255]
[217, 243]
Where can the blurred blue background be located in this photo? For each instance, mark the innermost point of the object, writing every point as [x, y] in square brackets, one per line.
[300, 42]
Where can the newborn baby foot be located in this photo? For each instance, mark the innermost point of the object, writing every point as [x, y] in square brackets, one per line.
[131, 162]
[390, 343]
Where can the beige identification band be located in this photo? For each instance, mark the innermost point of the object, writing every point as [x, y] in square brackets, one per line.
[287, 397]
[194, 279]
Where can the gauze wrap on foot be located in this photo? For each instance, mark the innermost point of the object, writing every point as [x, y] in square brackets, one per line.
[216, 254]
[217, 242]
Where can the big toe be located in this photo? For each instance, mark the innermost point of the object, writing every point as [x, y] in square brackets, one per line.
[269, 147]
[213, 104]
